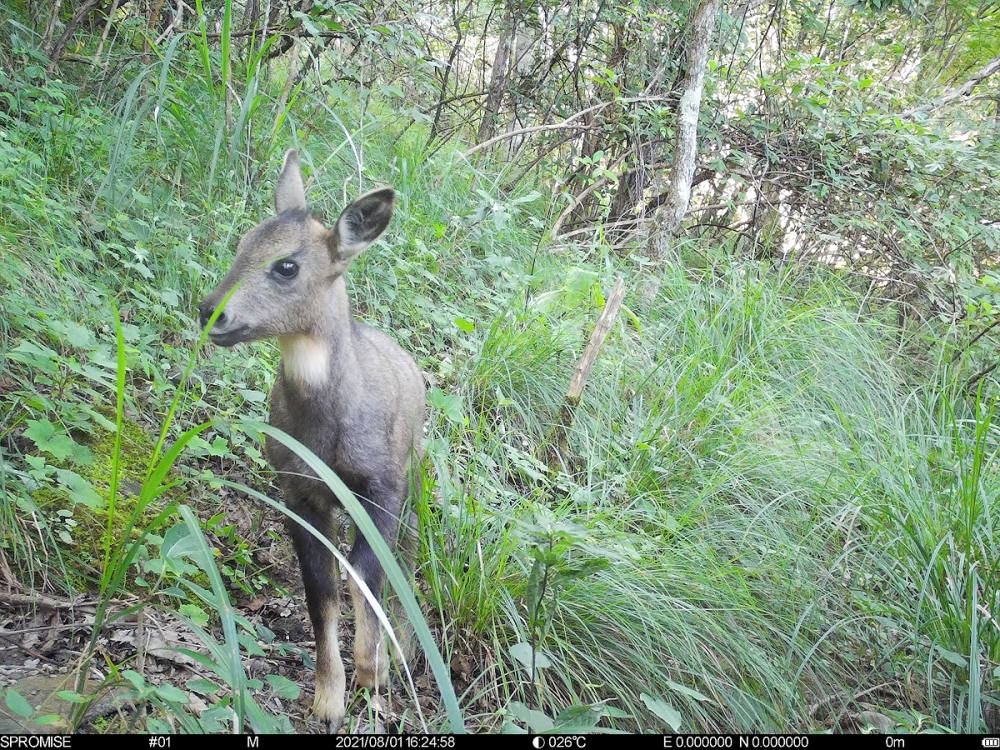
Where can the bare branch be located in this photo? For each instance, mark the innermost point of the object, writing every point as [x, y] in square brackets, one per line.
[964, 90]
[567, 123]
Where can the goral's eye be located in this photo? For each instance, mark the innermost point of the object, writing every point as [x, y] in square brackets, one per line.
[286, 268]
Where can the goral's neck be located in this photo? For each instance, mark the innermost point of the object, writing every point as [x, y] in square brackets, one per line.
[323, 354]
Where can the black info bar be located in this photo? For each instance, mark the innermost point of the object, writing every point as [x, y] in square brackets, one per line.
[511, 741]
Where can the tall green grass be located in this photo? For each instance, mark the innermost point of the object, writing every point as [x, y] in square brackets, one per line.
[721, 445]
[931, 508]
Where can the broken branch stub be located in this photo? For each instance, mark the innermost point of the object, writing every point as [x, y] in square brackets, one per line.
[557, 445]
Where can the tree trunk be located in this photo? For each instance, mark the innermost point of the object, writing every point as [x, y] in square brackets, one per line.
[251, 15]
[686, 146]
[154, 15]
[56, 52]
[456, 48]
[50, 29]
[498, 80]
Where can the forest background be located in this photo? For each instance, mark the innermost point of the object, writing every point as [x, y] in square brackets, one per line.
[772, 509]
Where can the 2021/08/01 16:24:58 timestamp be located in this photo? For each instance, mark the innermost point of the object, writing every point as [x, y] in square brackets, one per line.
[394, 742]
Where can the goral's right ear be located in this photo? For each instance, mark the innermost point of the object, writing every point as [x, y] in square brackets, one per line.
[289, 192]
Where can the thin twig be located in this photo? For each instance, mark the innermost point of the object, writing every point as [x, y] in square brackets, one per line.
[976, 338]
[567, 123]
[581, 197]
[107, 29]
[524, 131]
[612, 225]
[27, 650]
[980, 375]
[174, 23]
[844, 699]
[556, 448]
[295, 33]
[68, 32]
[71, 626]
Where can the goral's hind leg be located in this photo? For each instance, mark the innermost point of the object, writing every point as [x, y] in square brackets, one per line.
[371, 661]
[321, 578]
[407, 546]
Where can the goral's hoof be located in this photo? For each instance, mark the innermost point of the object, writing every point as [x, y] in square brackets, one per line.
[372, 679]
[328, 707]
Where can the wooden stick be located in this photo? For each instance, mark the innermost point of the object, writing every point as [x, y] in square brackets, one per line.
[56, 52]
[557, 446]
[597, 338]
[42, 601]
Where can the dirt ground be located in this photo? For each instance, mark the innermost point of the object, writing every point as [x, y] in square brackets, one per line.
[43, 637]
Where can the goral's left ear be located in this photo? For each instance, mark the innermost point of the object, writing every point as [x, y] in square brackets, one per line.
[362, 222]
[289, 192]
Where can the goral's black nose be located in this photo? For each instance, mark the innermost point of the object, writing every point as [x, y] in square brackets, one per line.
[205, 312]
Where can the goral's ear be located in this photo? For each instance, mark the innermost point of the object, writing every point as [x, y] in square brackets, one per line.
[361, 223]
[289, 193]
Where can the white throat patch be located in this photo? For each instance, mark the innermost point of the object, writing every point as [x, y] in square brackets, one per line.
[305, 360]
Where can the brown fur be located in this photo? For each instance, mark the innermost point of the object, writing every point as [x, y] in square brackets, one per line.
[345, 390]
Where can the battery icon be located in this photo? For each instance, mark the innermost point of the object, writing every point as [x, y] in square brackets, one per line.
[991, 741]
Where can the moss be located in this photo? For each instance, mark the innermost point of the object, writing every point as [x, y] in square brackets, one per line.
[84, 528]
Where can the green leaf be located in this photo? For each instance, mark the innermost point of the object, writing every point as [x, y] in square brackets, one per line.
[17, 703]
[250, 643]
[536, 720]
[43, 433]
[616, 713]
[196, 613]
[156, 726]
[79, 489]
[169, 297]
[71, 696]
[217, 718]
[664, 710]
[179, 542]
[202, 686]
[449, 405]
[307, 22]
[220, 447]
[523, 652]
[172, 694]
[137, 680]
[582, 717]
[40, 357]
[532, 196]
[74, 334]
[284, 687]
[954, 658]
[466, 325]
[687, 691]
